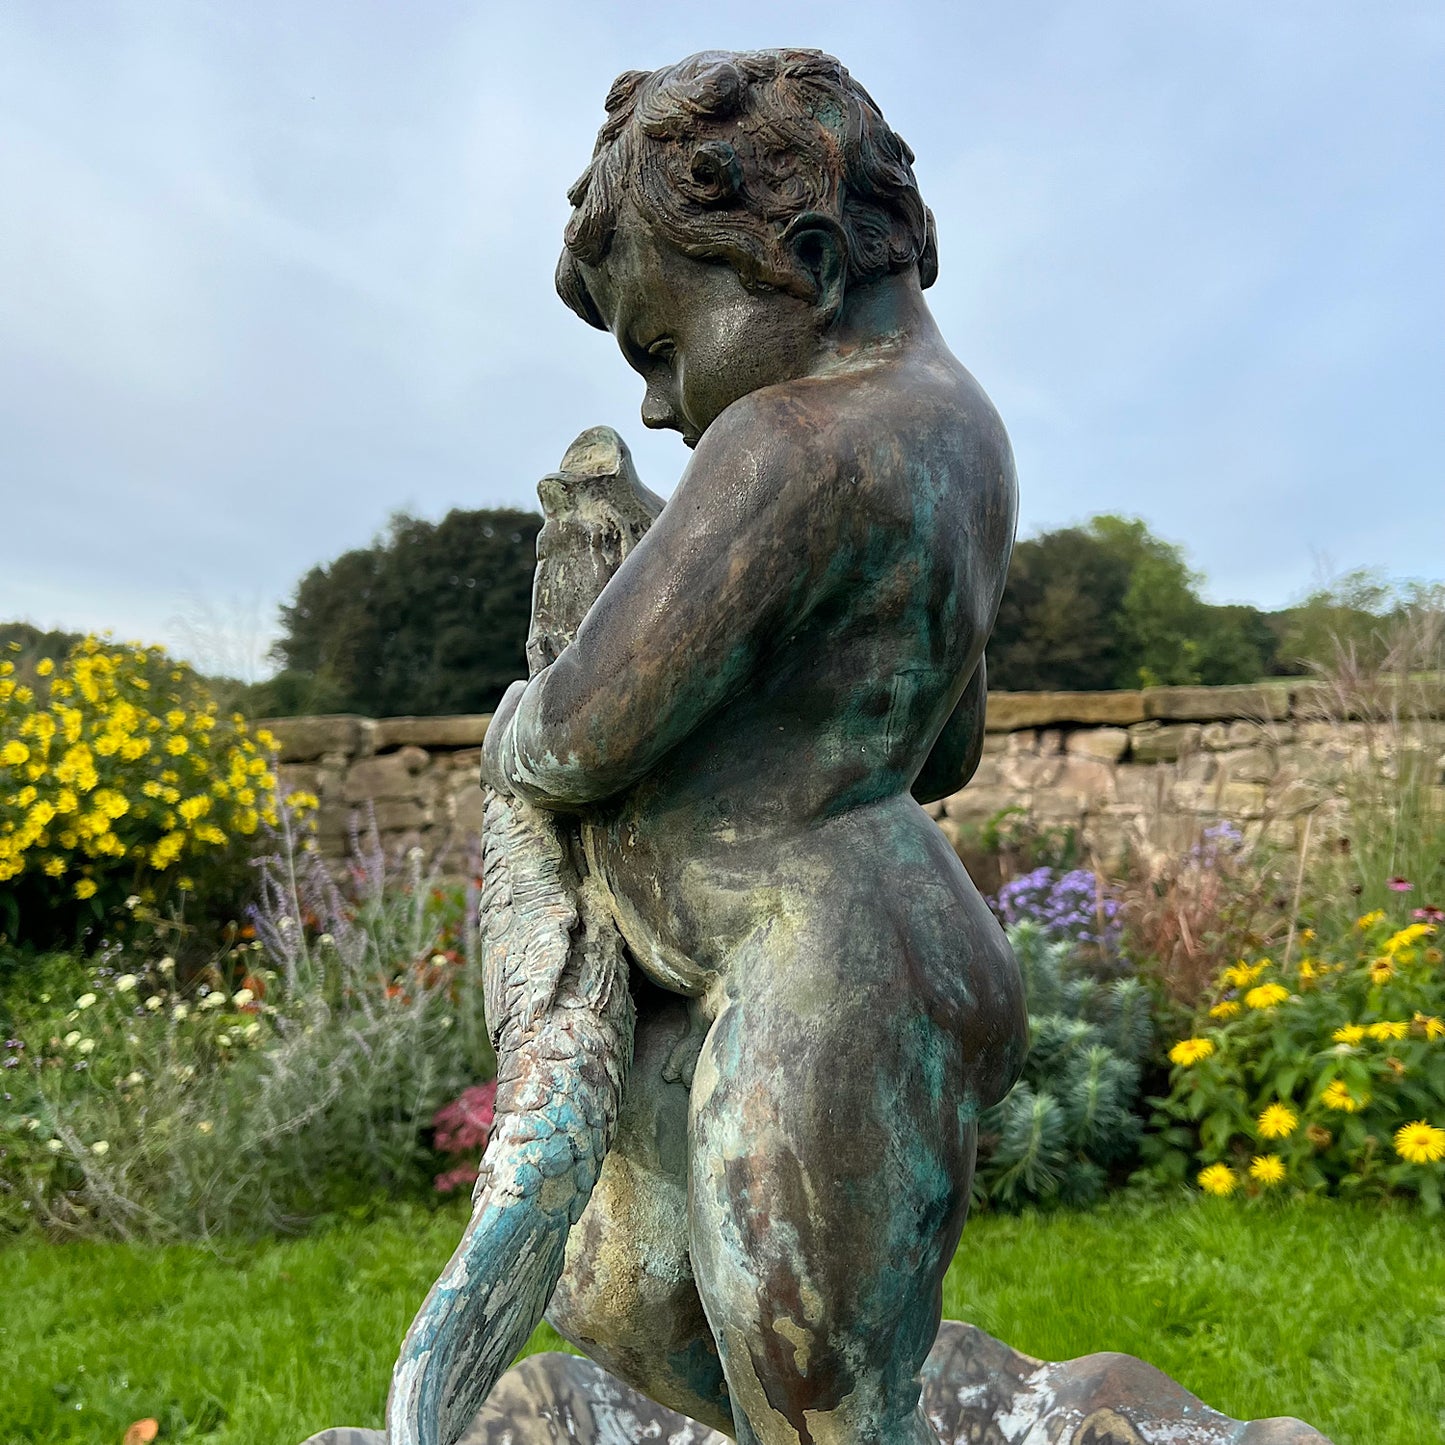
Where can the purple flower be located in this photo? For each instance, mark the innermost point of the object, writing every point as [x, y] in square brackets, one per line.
[1074, 906]
[1399, 885]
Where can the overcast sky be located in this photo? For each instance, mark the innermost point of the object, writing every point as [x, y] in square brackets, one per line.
[272, 271]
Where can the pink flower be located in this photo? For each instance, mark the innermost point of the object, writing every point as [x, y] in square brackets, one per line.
[466, 1123]
[458, 1178]
[1429, 914]
[1399, 885]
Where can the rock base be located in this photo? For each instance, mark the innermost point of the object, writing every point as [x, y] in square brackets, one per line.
[976, 1390]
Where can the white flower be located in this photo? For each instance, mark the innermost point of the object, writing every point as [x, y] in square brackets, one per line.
[285, 923]
[184, 1072]
[100, 1147]
[180, 1012]
[415, 853]
[242, 997]
[133, 900]
[153, 1002]
[325, 938]
[438, 958]
[167, 966]
[214, 1001]
[446, 1021]
[205, 1126]
[85, 1000]
[252, 1029]
[32, 1124]
[125, 983]
[72, 1038]
[54, 1145]
[224, 1040]
[133, 1078]
[85, 1046]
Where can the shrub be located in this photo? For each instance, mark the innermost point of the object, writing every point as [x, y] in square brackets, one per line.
[299, 1074]
[462, 1130]
[119, 780]
[1071, 1122]
[1328, 1074]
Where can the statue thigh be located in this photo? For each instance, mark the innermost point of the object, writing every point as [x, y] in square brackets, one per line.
[831, 1168]
[627, 1298]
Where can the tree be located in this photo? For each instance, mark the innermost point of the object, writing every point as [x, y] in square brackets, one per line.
[430, 619]
[1111, 605]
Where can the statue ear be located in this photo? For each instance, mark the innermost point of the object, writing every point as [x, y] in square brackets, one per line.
[819, 249]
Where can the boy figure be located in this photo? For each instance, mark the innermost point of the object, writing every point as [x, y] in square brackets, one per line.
[787, 660]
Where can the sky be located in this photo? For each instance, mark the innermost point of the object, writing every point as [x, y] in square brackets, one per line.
[271, 272]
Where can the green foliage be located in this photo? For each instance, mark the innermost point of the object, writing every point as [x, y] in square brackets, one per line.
[297, 1075]
[430, 619]
[1072, 1118]
[1328, 1074]
[1110, 605]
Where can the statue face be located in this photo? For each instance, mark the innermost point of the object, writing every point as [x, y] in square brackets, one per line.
[694, 333]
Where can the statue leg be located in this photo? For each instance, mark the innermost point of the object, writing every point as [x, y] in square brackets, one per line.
[830, 1181]
[627, 1298]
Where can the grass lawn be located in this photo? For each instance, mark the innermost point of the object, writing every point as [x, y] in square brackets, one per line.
[1333, 1313]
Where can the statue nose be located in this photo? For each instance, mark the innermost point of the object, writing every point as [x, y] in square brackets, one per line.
[658, 411]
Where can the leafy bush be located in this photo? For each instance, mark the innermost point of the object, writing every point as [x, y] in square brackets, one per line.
[1071, 1120]
[1328, 1074]
[119, 780]
[298, 1074]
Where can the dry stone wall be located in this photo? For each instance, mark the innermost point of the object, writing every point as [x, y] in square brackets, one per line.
[1126, 770]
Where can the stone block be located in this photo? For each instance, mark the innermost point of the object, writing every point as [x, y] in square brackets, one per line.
[974, 804]
[1010, 711]
[397, 815]
[1248, 765]
[1106, 744]
[1303, 795]
[461, 731]
[1215, 704]
[1197, 767]
[1141, 787]
[388, 776]
[1087, 778]
[1215, 736]
[1051, 740]
[304, 739]
[1026, 772]
[1243, 800]
[1153, 742]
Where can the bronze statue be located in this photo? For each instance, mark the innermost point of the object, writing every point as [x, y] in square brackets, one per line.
[722, 765]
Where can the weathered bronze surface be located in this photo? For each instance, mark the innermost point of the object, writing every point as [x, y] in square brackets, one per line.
[976, 1391]
[747, 1003]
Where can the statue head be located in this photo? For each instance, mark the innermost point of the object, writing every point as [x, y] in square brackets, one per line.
[738, 199]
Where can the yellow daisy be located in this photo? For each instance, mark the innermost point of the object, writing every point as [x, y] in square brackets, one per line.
[1337, 1096]
[1190, 1051]
[1420, 1143]
[1278, 1121]
[1266, 996]
[1349, 1034]
[1218, 1179]
[1267, 1169]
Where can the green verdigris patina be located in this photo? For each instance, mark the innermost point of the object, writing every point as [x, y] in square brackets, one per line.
[746, 1002]
[724, 764]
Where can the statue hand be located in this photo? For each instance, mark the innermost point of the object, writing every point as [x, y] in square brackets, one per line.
[496, 748]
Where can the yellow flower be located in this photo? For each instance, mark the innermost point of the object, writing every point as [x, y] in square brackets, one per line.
[1278, 1121]
[1420, 1143]
[14, 753]
[1241, 975]
[1267, 995]
[1406, 938]
[1370, 919]
[1227, 1009]
[1348, 1034]
[1337, 1096]
[54, 867]
[177, 745]
[85, 888]
[1386, 1030]
[1381, 970]
[1218, 1179]
[1434, 1028]
[1267, 1169]
[1190, 1051]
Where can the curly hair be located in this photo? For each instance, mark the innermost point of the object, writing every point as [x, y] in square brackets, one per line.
[724, 154]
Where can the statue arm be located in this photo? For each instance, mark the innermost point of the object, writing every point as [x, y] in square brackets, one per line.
[721, 575]
[955, 753]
